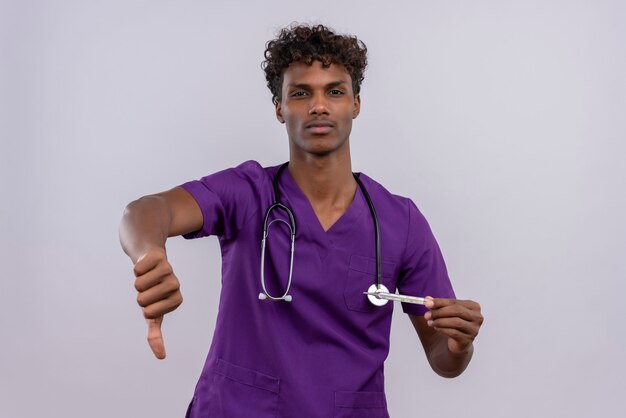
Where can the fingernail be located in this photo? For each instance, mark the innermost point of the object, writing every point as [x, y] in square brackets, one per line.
[429, 303]
[427, 315]
[430, 323]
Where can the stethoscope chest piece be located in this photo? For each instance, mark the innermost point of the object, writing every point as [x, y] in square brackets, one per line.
[373, 299]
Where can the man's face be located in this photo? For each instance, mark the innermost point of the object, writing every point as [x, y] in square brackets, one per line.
[317, 105]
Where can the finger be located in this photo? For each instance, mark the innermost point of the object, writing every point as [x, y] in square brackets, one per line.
[452, 311]
[163, 306]
[148, 261]
[470, 304]
[153, 277]
[456, 335]
[436, 303]
[158, 292]
[155, 337]
[468, 328]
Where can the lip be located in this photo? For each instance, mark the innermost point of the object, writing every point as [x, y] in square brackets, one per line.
[319, 127]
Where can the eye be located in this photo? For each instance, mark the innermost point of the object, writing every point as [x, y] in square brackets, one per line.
[298, 93]
[335, 92]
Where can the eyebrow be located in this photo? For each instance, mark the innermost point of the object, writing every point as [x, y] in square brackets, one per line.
[308, 86]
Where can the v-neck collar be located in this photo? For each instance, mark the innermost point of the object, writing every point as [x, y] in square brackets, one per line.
[307, 219]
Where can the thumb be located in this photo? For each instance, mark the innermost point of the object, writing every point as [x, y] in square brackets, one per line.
[155, 338]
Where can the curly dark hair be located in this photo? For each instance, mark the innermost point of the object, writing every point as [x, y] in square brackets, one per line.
[304, 43]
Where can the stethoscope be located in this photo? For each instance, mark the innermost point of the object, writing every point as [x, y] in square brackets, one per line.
[374, 289]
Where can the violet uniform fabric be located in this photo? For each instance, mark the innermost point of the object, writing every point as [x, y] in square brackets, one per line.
[322, 355]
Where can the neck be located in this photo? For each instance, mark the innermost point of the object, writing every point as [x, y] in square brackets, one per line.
[324, 179]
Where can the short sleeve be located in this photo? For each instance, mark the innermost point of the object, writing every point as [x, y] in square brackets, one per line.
[423, 271]
[227, 199]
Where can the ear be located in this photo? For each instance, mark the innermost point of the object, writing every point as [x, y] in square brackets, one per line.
[357, 106]
[279, 113]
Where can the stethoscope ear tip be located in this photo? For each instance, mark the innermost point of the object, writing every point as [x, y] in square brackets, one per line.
[288, 298]
[262, 296]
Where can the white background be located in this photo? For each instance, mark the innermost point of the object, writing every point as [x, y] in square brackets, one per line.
[504, 121]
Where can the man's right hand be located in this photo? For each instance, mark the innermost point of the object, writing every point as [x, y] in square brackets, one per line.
[159, 293]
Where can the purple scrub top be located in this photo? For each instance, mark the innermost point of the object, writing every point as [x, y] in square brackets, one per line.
[321, 355]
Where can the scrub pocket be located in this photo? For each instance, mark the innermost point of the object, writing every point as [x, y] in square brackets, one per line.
[238, 392]
[361, 275]
[360, 405]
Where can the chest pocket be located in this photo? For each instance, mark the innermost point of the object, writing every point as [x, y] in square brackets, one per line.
[361, 275]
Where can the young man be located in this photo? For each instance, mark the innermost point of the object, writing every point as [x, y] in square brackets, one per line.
[296, 336]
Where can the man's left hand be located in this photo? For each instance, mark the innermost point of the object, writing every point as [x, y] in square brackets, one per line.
[459, 320]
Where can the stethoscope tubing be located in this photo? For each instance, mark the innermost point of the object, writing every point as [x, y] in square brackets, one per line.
[292, 229]
[292, 232]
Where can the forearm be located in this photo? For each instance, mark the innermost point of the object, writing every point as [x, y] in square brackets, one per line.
[145, 224]
[447, 363]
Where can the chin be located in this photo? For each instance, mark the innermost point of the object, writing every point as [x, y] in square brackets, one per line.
[322, 149]
[321, 153]
[319, 146]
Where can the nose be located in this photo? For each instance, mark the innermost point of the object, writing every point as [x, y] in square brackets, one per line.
[319, 106]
